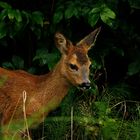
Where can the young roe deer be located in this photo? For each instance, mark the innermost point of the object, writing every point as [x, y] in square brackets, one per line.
[23, 95]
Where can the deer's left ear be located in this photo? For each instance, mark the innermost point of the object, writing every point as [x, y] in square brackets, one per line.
[90, 39]
[62, 43]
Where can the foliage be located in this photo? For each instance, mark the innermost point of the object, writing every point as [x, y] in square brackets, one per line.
[110, 110]
[42, 56]
[17, 63]
[79, 8]
[13, 21]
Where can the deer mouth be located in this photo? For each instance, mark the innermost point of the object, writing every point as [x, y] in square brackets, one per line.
[84, 86]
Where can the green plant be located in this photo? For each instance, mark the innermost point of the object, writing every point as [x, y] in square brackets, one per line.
[44, 57]
[17, 63]
[91, 12]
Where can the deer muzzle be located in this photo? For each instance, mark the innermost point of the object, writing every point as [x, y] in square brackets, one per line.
[85, 85]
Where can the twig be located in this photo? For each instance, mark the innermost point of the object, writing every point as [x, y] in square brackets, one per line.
[13, 114]
[24, 112]
[124, 102]
[104, 68]
[72, 123]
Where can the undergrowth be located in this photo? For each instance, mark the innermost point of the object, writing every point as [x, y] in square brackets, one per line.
[86, 116]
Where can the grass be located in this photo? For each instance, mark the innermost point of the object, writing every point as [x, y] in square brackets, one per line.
[86, 116]
[104, 118]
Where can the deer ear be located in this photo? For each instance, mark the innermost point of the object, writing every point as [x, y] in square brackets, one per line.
[62, 43]
[90, 39]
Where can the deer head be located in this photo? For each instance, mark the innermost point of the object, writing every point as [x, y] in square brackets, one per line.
[75, 62]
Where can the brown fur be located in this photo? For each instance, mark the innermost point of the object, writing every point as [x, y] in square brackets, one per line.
[43, 93]
[82, 57]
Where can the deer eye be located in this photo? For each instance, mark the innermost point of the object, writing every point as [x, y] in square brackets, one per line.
[73, 67]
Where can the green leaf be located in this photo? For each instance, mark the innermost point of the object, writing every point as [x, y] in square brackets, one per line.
[37, 31]
[134, 68]
[7, 65]
[110, 125]
[5, 5]
[16, 28]
[18, 62]
[3, 14]
[37, 17]
[57, 17]
[106, 19]
[26, 15]
[102, 108]
[71, 11]
[41, 55]
[93, 19]
[53, 57]
[84, 11]
[18, 16]
[107, 15]
[44, 57]
[3, 30]
[11, 14]
[95, 10]
[32, 70]
[119, 51]
[134, 4]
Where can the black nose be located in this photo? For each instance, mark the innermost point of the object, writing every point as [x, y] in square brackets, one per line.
[85, 85]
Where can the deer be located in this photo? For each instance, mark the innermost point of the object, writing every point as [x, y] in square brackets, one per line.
[26, 99]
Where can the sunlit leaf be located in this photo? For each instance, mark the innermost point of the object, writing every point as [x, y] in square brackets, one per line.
[11, 14]
[95, 10]
[108, 12]
[106, 19]
[18, 16]
[107, 15]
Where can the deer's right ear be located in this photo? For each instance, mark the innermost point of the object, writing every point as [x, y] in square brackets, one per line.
[90, 39]
[62, 43]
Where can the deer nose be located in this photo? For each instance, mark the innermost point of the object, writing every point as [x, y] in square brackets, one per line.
[85, 85]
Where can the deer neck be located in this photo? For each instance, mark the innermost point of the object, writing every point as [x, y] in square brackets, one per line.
[55, 86]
